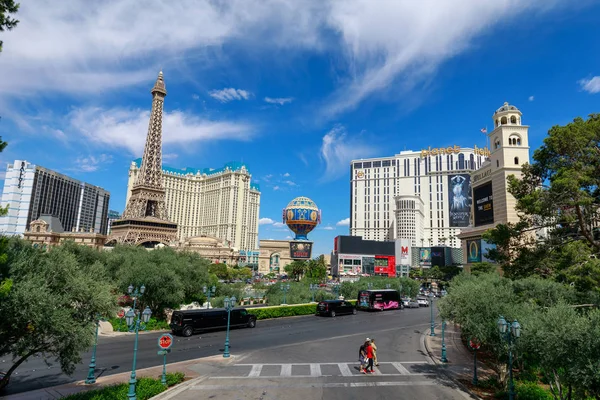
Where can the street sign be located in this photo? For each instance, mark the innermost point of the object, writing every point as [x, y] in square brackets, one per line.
[164, 352]
[165, 341]
[474, 344]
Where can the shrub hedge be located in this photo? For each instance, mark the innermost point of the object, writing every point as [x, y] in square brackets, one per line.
[145, 389]
[285, 311]
[119, 325]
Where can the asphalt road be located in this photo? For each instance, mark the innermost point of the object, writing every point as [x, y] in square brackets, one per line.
[306, 339]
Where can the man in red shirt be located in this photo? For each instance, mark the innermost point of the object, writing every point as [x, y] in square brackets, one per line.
[369, 351]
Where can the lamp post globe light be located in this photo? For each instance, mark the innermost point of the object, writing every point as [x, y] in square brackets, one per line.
[229, 304]
[91, 378]
[444, 359]
[210, 291]
[510, 332]
[135, 323]
[432, 333]
[285, 288]
[313, 288]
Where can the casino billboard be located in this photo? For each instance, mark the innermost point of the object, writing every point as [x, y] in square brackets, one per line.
[484, 204]
[459, 200]
[300, 250]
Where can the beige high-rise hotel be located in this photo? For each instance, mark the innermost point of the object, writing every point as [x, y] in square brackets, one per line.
[222, 203]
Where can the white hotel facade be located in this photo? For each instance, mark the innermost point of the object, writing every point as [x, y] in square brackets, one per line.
[222, 203]
[423, 196]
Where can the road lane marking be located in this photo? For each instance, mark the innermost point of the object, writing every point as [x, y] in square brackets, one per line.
[286, 370]
[315, 370]
[344, 369]
[335, 363]
[255, 371]
[401, 368]
[315, 385]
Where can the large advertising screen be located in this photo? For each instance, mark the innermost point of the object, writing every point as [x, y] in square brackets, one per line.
[300, 250]
[459, 200]
[484, 204]
[425, 256]
[474, 251]
[438, 256]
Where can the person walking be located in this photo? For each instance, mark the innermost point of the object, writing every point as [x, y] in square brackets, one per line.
[369, 351]
[362, 356]
[374, 346]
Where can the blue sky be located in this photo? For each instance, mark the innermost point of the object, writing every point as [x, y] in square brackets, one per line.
[294, 89]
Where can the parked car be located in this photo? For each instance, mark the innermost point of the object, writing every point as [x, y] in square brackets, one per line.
[412, 304]
[423, 302]
[188, 322]
[335, 307]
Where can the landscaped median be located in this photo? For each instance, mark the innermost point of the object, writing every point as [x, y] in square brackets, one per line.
[144, 389]
[286, 311]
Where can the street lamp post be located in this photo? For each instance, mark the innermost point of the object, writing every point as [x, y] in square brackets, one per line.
[229, 303]
[401, 290]
[285, 289]
[387, 286]
[210, 291]
[336, 289]
[510, 332]
[91, 378]
[313, 288]
[432, 333]
[444, 359]
[369, 285]
[135, 324]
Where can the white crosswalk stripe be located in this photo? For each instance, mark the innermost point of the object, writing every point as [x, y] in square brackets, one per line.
[317, 370]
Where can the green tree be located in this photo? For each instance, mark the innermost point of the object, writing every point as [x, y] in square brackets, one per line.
[7, 23]
[316, 270]
[296, 269]
[558, 192]
[220, 270]
[482, 268]
[51, 306]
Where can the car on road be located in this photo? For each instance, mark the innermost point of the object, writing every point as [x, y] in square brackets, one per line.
[335, 307]
[188, 322]
[423, 302]
[412, 304]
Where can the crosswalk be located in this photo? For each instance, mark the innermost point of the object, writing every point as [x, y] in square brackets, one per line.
[328, 369]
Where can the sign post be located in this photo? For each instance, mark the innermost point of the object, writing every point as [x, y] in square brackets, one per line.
[475, 345]
[164, 344]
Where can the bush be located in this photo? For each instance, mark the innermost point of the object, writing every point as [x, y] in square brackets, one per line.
[285, 311]
[526, 391]
[152, 325]
[145, 389]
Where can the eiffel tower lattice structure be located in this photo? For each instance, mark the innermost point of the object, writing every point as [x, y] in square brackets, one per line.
[145, 220]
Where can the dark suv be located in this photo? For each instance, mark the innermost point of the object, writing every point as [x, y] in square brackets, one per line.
[335, 307]
[187, 322]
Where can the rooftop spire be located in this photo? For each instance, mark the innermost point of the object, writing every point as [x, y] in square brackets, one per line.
[159, 86]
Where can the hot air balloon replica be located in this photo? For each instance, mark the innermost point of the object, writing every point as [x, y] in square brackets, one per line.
[302, 216]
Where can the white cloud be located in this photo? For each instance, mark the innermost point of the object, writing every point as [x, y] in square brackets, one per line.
[286, 175]
[279, 100]
[531, 98]
[591, 85]
[230, 94]
[278, 224]
[338, 149]
[91, 163]
[328, 228]
[107, 45]
[128, 128]
[276, 187]
[290, 183]
[265, 221]
[170, 156]
[195, 97]
[288, 237]
[344, 222]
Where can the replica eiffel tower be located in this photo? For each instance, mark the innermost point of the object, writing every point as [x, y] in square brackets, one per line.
[145, 220]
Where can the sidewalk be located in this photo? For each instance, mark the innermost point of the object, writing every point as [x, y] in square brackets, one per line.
[191, 368]
[459, 367]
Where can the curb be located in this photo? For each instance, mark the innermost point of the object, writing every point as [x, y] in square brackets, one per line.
[465, 391]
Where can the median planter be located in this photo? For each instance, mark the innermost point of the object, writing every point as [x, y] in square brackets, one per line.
[286, 311]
